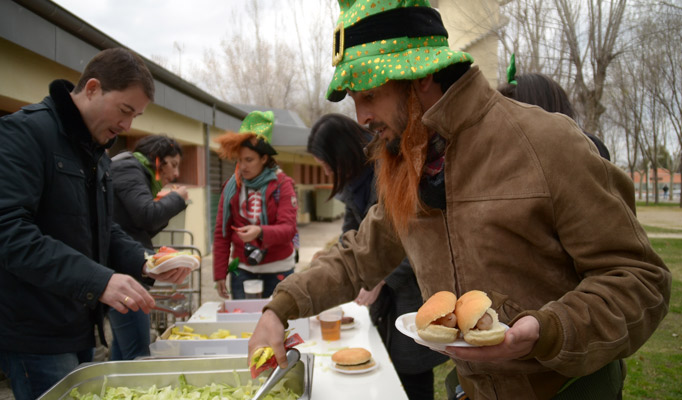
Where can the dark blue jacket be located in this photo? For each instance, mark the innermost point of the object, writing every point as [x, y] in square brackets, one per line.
[135, 209]
[58, 244]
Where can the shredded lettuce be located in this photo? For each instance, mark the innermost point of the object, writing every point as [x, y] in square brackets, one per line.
[185, 391]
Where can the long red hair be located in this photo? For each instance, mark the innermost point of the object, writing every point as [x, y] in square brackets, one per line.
[398, 176]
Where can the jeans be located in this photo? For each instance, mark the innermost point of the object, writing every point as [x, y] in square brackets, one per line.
[31, 375]
[131, 335]
[269, 282]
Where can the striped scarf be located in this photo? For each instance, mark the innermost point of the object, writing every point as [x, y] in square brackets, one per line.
[259, 183]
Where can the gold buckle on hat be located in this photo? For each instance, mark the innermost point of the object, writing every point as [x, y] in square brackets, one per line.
[337, 51]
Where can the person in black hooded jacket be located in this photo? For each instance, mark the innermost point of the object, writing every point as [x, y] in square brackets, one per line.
[62, 258]
[143, 210]
[338, 144]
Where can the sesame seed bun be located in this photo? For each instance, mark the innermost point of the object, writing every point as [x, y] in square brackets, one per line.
[437, 306]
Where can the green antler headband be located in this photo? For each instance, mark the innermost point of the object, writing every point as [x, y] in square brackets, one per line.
[511, 70]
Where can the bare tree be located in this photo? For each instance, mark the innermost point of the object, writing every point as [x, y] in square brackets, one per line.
[253, 66]
[665, 33]
[279, 60]
[591, 50]
[626, 110]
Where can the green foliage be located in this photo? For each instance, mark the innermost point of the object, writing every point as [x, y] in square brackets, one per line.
[656, 229]
[665, 204]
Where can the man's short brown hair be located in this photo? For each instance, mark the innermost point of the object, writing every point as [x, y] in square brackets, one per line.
[118, 69]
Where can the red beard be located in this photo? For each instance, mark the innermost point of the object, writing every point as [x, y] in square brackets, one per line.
[399, 175]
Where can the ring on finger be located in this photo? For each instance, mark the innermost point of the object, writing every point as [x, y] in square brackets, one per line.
[126, 299]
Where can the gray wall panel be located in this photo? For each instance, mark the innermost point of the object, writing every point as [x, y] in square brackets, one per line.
[26, 29]
[72, 51]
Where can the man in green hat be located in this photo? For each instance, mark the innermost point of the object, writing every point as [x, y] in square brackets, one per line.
[483, 193]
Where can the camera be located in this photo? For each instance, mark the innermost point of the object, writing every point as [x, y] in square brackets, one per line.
[254, 255]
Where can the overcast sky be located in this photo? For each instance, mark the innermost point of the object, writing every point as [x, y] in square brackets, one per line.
[152, 27]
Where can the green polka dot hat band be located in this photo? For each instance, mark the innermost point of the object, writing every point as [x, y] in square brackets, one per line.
[379, 40]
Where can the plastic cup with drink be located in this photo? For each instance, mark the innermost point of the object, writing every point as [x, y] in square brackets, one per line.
[253, 288]
[330, 323]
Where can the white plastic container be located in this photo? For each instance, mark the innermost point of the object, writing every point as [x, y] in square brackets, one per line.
[251, 310]
[163, 347]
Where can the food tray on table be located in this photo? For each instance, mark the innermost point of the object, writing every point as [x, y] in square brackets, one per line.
[143, 373]
[251, 310]
[164, 347]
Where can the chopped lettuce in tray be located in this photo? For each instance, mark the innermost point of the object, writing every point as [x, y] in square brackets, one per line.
[185, 391]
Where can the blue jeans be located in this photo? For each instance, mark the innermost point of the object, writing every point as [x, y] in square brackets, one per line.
[269, 282]
[31, 375]
[131, 335]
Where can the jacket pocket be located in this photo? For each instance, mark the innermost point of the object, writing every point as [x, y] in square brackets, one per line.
[67, 193]
[506, 309]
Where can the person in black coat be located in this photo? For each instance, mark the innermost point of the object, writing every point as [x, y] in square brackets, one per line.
[62, 258]
[143, 210]
[337, 143]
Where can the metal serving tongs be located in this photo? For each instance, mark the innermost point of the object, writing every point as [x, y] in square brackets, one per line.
[293, 356]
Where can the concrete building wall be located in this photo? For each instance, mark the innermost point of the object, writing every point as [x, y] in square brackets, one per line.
[469, 24]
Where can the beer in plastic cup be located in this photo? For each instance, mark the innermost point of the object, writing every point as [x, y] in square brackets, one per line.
[330, 323]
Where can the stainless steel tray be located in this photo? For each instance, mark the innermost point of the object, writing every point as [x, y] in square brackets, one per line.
[89, 378]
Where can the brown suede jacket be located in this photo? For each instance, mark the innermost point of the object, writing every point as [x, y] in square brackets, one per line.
[536, 219]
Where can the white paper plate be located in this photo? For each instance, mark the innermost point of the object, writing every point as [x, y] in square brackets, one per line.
[182, 260]
[354, 371]
[406, 325]
[345, 327]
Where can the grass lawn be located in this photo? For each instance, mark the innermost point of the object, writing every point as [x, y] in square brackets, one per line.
[653, 372]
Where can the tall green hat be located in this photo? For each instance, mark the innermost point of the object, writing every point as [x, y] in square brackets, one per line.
[379, 40]
[259, 123]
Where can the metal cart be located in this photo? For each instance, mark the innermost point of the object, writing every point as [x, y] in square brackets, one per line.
[176, 302]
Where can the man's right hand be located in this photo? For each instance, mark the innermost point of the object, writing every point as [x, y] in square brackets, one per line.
[269, 332]
[123, 292]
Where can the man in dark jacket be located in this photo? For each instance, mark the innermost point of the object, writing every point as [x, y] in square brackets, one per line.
[61, 256]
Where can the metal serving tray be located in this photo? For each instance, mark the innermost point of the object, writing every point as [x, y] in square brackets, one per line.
[90, 377]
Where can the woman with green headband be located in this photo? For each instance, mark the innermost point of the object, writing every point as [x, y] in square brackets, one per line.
[256, 221]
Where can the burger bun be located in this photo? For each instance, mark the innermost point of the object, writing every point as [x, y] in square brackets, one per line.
[438, 334]
[353, 359]
[436, 307]
[471, 306]
[488, 337]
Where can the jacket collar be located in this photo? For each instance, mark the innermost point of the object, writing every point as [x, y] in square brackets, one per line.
[472, 97]
[71, 118]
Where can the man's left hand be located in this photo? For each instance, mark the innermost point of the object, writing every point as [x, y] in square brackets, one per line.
[518, 342]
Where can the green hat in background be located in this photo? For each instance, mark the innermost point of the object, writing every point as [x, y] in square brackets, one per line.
[379, 40]
[259, 123]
